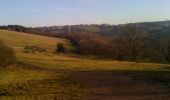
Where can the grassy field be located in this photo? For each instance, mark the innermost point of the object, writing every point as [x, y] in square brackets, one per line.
[19, 40]
[49, 76]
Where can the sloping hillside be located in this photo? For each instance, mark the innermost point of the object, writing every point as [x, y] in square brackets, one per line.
[19, 40]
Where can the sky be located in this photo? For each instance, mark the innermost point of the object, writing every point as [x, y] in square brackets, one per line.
[70, 12]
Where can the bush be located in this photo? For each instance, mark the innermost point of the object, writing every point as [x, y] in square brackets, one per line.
[60, 47]
[7, 55]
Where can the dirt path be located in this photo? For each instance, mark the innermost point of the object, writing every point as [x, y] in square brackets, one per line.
[120, 86]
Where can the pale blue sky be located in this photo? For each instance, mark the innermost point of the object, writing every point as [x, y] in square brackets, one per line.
[61, 12]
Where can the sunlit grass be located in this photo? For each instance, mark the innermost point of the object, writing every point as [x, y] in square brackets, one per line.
[17, 83]
[14, 75]
[65, 62]
[19, 40]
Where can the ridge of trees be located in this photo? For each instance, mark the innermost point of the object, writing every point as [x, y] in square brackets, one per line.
[134, 42]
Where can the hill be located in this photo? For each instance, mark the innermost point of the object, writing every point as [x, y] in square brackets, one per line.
[51, 76]
[159, 29]
[19, 40]
[103, 29]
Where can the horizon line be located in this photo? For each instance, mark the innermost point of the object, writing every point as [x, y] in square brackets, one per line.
[89, 24]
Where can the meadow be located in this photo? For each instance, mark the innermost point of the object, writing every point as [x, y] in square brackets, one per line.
[56, 76]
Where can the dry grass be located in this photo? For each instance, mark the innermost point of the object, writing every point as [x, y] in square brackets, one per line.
[65, 62]
[19, 40]
[26, 83]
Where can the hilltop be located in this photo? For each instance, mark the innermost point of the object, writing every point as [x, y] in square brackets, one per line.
[103, 29]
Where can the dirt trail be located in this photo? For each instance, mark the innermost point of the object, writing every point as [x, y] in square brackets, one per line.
[119, 86]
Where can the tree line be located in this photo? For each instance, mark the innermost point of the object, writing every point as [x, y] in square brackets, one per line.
[130, 42]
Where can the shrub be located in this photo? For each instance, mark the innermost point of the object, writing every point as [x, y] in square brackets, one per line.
[60, 47]
[7, 55]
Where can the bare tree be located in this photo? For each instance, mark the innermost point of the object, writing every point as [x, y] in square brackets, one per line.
[165, 49]
[135, 42]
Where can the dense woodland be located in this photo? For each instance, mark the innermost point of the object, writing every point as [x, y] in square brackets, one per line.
[146, 42]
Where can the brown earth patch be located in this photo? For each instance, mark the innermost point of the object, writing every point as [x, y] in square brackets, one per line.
[102, 85]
